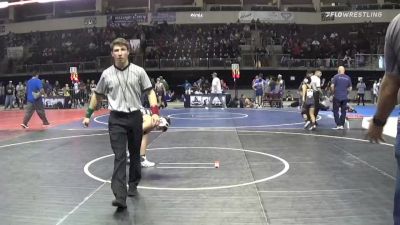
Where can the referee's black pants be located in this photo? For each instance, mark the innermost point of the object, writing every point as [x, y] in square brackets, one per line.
[125, 128]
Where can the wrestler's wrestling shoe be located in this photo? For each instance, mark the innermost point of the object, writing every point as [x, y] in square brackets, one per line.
[146, 163]
[164, 124]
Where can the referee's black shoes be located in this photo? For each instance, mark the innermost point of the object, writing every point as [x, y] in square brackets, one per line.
[132, 191]
[119, 203]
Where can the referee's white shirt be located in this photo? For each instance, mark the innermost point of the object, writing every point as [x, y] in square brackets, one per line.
[124, 88]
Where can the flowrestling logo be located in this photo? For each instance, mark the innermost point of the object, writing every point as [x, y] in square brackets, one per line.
[329, 16]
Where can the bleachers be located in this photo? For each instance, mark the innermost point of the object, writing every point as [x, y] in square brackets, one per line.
[3, 14]
[182, 43]
[202, 41]
[197, 41]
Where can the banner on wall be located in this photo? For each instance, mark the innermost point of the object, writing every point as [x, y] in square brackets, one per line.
[15, 52]
[135, 44]
[327, 17]
[330, 16]
[53, 102]
[126, 19]
[248, 16]
[202, 100]
[169, 17]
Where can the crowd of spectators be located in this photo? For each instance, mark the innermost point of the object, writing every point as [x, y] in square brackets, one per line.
[334, 42]
[76, 94]
[323, 44]
[197, 41]
[188, 42]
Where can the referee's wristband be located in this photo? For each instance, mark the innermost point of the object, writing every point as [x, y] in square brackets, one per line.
[155, 110]
[89, 112]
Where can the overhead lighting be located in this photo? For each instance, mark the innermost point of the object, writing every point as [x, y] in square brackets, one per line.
[3, 5]
[6, 4]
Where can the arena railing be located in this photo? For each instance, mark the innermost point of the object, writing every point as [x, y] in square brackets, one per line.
[256, 61]
[370, 61]
[246, 61]
[57, 67]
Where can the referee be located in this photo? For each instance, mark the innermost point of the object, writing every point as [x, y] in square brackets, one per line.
[123, 84]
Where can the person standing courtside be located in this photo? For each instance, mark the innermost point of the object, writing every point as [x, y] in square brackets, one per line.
[361, 91]
[21, 93]
[316, 86]
[123, 84]
[387, 100]
[341, 86]
[375, 90]
[216, 91]
[10, 95]
[34, 90]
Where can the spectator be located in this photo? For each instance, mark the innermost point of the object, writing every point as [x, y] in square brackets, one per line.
[2, 93]
[361, 91]
[21, 93]
[34, 92]
[375, 90]
[10, 95]
[341, 86]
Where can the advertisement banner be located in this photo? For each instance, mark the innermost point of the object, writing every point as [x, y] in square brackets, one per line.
[248, 16]
[202, 100]
[169, 17]
[351, 15]
[126, 19]
[327, 17]
[53, 102]
[135, 44]
[15, 52]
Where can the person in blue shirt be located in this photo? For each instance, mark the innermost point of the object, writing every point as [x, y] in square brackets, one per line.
[187, 86]
[341, 86]
[34, 101]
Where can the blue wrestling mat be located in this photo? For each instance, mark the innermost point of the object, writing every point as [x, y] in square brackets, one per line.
[231, 118]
